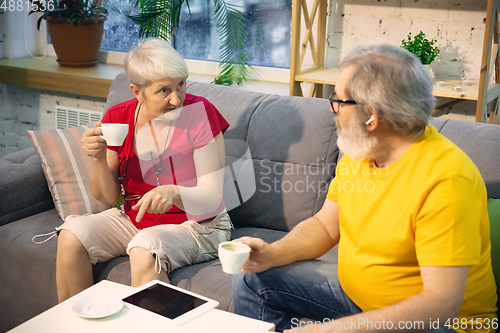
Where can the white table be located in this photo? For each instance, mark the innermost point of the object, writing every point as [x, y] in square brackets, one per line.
[61, 318]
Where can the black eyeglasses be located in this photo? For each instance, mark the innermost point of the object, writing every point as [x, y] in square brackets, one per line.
[336, 103]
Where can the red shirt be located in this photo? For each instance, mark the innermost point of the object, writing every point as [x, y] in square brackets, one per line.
[196, 126]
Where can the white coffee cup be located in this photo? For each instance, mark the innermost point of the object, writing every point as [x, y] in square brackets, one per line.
[114, 134]
[233, 256]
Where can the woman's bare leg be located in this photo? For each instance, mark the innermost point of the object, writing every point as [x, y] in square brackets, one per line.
[73, 267]
[142, 265]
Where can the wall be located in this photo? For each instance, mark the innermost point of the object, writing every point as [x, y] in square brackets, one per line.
[23, 109]
[19, 109]
[457, 25]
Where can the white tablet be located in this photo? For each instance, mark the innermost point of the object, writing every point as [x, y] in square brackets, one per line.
[171, 302]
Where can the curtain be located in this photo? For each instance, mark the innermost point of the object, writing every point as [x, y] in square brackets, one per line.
[19, 35]
[2, 35]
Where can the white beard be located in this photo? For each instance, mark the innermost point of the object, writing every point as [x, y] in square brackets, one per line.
[355, 141]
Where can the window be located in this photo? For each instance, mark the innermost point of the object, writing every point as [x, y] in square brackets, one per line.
[120, 33]
[268, 28]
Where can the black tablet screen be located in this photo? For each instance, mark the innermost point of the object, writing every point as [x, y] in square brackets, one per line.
[164, 301]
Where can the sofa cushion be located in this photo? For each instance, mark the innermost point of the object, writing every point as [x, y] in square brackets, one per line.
[236, 105]
[293, 164]
[67, 170]
[23, 187]
[494, 215]
[480, 142]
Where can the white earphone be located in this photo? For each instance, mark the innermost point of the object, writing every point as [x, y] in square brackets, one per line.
[369, 121]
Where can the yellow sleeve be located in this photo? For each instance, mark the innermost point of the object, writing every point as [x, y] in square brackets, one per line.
[333, 189]
[448, 224]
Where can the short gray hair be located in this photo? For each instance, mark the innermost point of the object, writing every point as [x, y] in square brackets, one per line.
[394, 82]
[154, 59]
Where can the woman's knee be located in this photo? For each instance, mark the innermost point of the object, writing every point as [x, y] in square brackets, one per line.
[141, 259]
[68, 243]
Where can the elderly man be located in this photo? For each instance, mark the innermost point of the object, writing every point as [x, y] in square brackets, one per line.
[414, 249]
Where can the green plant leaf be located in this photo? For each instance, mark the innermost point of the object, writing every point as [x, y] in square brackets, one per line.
[100, 10]
[44, 16]
[419, 45]
[155, 19]
[233, 56]
[160, 18]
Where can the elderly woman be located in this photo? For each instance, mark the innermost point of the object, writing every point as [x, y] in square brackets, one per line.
[170, 169]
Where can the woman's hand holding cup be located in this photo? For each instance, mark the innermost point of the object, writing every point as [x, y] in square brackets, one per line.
[93, 144]
[95, 140]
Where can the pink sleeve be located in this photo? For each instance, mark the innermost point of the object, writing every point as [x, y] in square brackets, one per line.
[207, 125]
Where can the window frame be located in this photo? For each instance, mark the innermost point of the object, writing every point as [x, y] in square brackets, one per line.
[195, 67]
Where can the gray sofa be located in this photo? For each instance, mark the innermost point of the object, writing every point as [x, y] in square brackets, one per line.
[293, 149]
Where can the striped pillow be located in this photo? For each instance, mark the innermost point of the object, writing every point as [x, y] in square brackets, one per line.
[67, 169]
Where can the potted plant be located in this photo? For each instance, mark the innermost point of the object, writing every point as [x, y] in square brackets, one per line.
[424, 49]
[75, 29]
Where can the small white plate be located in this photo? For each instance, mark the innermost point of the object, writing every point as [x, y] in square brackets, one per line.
[97, 306]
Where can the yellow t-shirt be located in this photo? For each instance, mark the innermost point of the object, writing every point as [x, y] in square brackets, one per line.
[427, 209]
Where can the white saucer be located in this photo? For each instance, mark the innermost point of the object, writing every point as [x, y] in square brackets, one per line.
[97, 306]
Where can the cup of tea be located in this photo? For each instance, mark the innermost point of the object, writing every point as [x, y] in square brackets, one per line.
[233, 256]
[114, 134]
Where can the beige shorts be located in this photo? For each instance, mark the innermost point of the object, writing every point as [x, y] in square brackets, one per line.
[111, 234]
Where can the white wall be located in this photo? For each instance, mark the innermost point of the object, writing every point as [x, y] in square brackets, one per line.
[23, 109]
[19, 112]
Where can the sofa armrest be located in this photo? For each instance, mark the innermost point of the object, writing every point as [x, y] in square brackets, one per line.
[23, 188]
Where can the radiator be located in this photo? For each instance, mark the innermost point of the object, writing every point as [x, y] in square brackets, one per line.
[62, 112]
[72, 117]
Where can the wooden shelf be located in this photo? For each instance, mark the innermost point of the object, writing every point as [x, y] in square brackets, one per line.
[47, 74]
[483, 92]
[330, 76]
[319, 75]
[468, 92]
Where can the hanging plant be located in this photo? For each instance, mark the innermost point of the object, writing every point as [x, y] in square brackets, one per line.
[160, 18]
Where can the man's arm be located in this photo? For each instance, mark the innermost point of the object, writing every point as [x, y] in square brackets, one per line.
[439, 302]
[308, 240]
